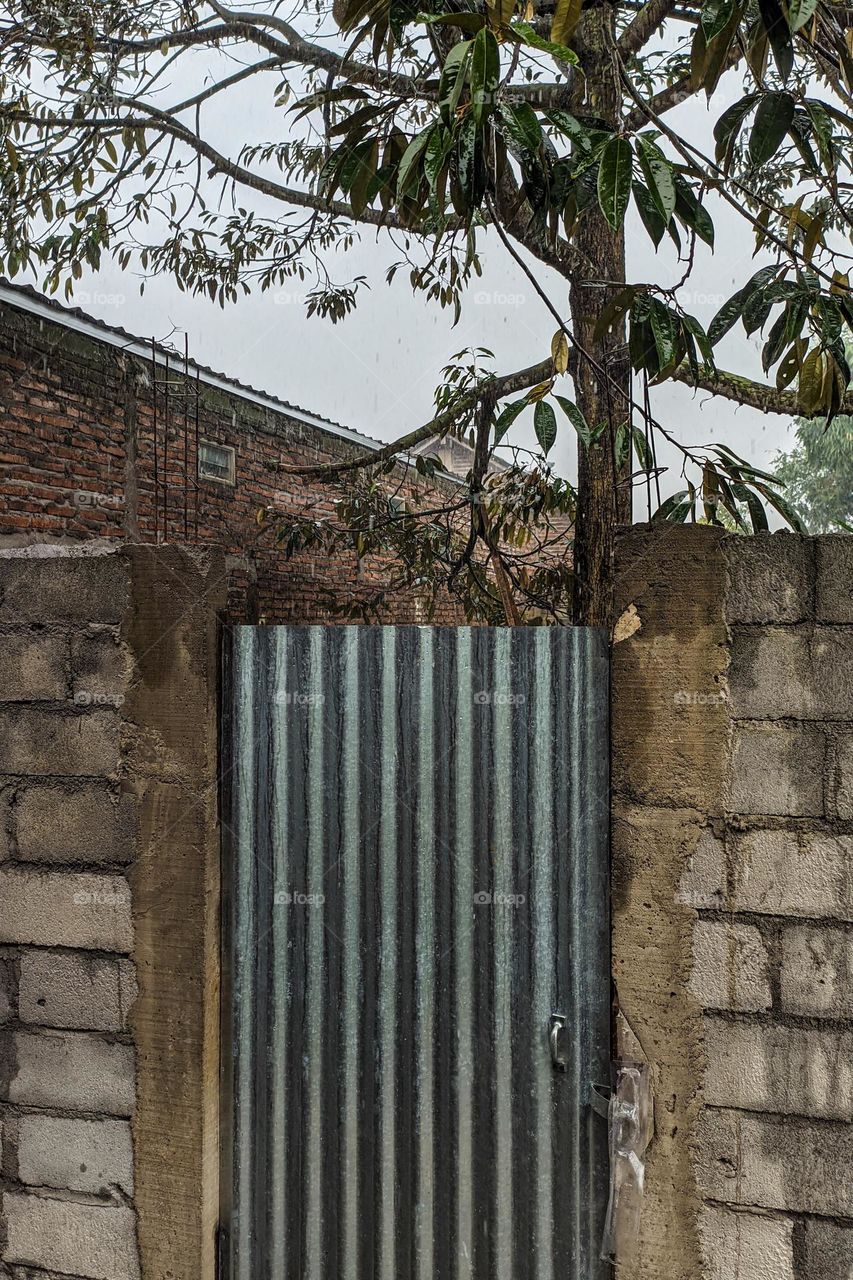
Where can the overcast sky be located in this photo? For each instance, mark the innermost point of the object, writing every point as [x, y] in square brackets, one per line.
[377, 370]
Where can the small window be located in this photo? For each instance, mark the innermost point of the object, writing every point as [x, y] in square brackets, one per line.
[216, 462]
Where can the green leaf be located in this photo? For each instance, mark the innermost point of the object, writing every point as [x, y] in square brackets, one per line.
[728, 126]
[545, 425]
[643, 450]
[566, 17]
[674, 508]
[716, 15]
[693, 214]
[660, 177]
[522, 128]
[453, 76]
[507, 417]
[467, 21]
[485, 74]
[779, 34]
[622, 445]
[649, 213]
[408, 175]
[576, 418]
[572, 128]
[529, 36]
[772, 122]
[614, 180]
[799, 12]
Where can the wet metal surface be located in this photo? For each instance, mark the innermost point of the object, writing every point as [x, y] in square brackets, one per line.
[416, 859]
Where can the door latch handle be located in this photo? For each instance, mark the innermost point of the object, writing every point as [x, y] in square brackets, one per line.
[558, 1036]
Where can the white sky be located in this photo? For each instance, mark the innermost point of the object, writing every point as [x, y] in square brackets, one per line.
[376, 371]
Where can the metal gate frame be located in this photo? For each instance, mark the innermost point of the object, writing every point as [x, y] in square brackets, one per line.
[585, 654]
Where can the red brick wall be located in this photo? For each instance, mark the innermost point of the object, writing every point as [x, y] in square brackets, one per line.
[77, 459]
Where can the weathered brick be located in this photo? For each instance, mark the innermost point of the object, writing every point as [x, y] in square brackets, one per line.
[34, 740]
[817, 971]
[75, 990]
[777, 770]
[730, 966]
[88, 1240]
[834, 579]
[64, 587]
[787, 1070]
[70, 1070]
[101, 669]
[776, 1162]
[81, 1155]
[770, 578]
[33, 667]
[65, 909]
[704, 881]
[746, 1246]
[797, 874]
[83, 823]
[828, 1251]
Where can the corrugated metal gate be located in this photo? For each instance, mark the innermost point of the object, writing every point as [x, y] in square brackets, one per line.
[416, 846]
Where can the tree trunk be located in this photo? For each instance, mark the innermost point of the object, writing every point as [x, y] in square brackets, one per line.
[604, 492]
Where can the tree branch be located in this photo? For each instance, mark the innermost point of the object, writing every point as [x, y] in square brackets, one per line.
[642, 27]
[756, 395]
[491, 388]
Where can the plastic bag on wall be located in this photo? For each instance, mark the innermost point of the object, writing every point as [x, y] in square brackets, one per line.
[630, 1121]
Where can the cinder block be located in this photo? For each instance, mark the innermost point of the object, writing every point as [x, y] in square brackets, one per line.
[817, 971]
[834, 580]
[794, 874]
[75, 990]
[72, 1071]
[777, 770]
[770, 677]
[64, 587]
[65, 909]
[792, 673]
[86, 823]
[33, 667]
[94, 1156]
[828, 1251]
[101, 669]
[786, 1070]
[703, 883]
[730, 966]
[770, 578]
[87, 1240]
[842, 790]
[35, 740]
[775, 1162]
[745, 1246]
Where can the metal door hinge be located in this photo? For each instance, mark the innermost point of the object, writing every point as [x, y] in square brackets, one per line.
[558, 1038]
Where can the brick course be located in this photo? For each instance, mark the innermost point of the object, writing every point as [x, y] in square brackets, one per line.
[86, 457]
[754, 900]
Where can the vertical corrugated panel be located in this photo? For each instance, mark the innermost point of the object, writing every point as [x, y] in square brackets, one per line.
[417, 860]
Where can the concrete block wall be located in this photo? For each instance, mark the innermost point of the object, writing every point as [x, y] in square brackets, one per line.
[739, 869]
[107, 750]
